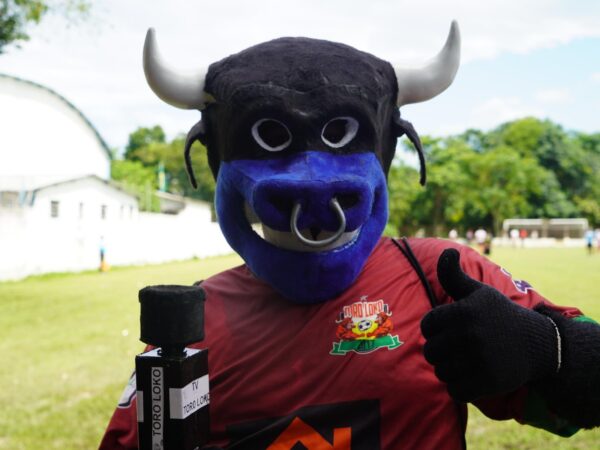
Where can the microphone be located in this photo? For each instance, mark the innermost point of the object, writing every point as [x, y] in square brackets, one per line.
[172, 379]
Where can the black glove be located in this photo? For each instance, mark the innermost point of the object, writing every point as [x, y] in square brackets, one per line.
[484, 344]
[574, 392]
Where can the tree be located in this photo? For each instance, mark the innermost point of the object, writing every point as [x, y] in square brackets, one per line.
[524, 135]
[403, 189]
[150, 148]
[587, 200]
[589, 142]
[525, 168]
[444, 200]
[143, 137]
[504, 182]
[16, 15]
[137, 179]
[554, 149]
[202, 172]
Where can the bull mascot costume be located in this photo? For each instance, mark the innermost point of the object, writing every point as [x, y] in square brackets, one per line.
[330, 336]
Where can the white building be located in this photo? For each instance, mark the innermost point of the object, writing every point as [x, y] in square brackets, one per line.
[57, 204]
[44, 138]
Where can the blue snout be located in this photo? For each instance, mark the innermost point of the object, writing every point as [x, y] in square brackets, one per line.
[311, 180]
[274, 199]
[272, 187]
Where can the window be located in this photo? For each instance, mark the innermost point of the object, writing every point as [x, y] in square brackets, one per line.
[103, 211]
[121, 211]
[54, 208]
[80, 210]
[9, 199]
[130, 211]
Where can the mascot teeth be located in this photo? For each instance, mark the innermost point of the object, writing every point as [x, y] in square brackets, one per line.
[288, 240]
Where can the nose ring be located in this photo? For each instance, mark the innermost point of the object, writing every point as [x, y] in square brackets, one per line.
[333, 203]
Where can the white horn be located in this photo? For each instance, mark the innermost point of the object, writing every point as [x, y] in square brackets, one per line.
[418, 85]
[185, 91]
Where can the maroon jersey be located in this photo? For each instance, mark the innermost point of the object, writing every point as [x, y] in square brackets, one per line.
[347, 374]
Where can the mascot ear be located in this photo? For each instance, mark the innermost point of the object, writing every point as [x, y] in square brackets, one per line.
[197, 133]
[404, 127]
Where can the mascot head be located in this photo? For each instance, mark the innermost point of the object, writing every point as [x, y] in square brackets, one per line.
[300, 136]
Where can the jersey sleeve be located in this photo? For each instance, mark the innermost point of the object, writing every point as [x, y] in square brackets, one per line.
[121, 433]
[525, 405]
[519, 291]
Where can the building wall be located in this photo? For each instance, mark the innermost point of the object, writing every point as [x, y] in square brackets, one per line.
[33, 242]
[158, 238]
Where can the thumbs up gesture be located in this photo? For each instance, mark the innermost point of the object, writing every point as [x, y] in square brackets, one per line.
[484, 344]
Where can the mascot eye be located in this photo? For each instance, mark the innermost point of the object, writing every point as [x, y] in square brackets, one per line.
[339, 131]
[271, 135]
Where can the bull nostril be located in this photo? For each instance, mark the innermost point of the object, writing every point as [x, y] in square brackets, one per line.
[281, 203]
[347, 201]
[314, 232]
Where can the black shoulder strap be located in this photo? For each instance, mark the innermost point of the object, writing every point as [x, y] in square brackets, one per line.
[412, 259]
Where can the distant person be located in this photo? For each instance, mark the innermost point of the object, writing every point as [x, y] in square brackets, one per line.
[523, 236]
[514, 237]
[453, 235]
[487, 247]
[535, 234]
[589, 241]
[469, 236]
[103, 264]
[480, 237]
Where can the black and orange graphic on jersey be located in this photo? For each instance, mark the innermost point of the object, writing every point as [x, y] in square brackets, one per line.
[342, 426]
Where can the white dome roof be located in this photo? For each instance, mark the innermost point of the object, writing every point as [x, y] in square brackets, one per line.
[44, 138]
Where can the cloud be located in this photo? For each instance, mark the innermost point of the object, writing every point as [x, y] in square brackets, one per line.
[497, 110]
[554, 96]
[595, 77]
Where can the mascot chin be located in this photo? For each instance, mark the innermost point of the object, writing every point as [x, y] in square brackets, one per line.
[330, 336]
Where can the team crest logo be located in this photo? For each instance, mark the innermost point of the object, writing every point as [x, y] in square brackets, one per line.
[363, 327]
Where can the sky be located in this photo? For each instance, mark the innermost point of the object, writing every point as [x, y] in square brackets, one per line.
[519, 57]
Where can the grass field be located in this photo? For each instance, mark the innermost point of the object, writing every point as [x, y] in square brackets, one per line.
[68, 343]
